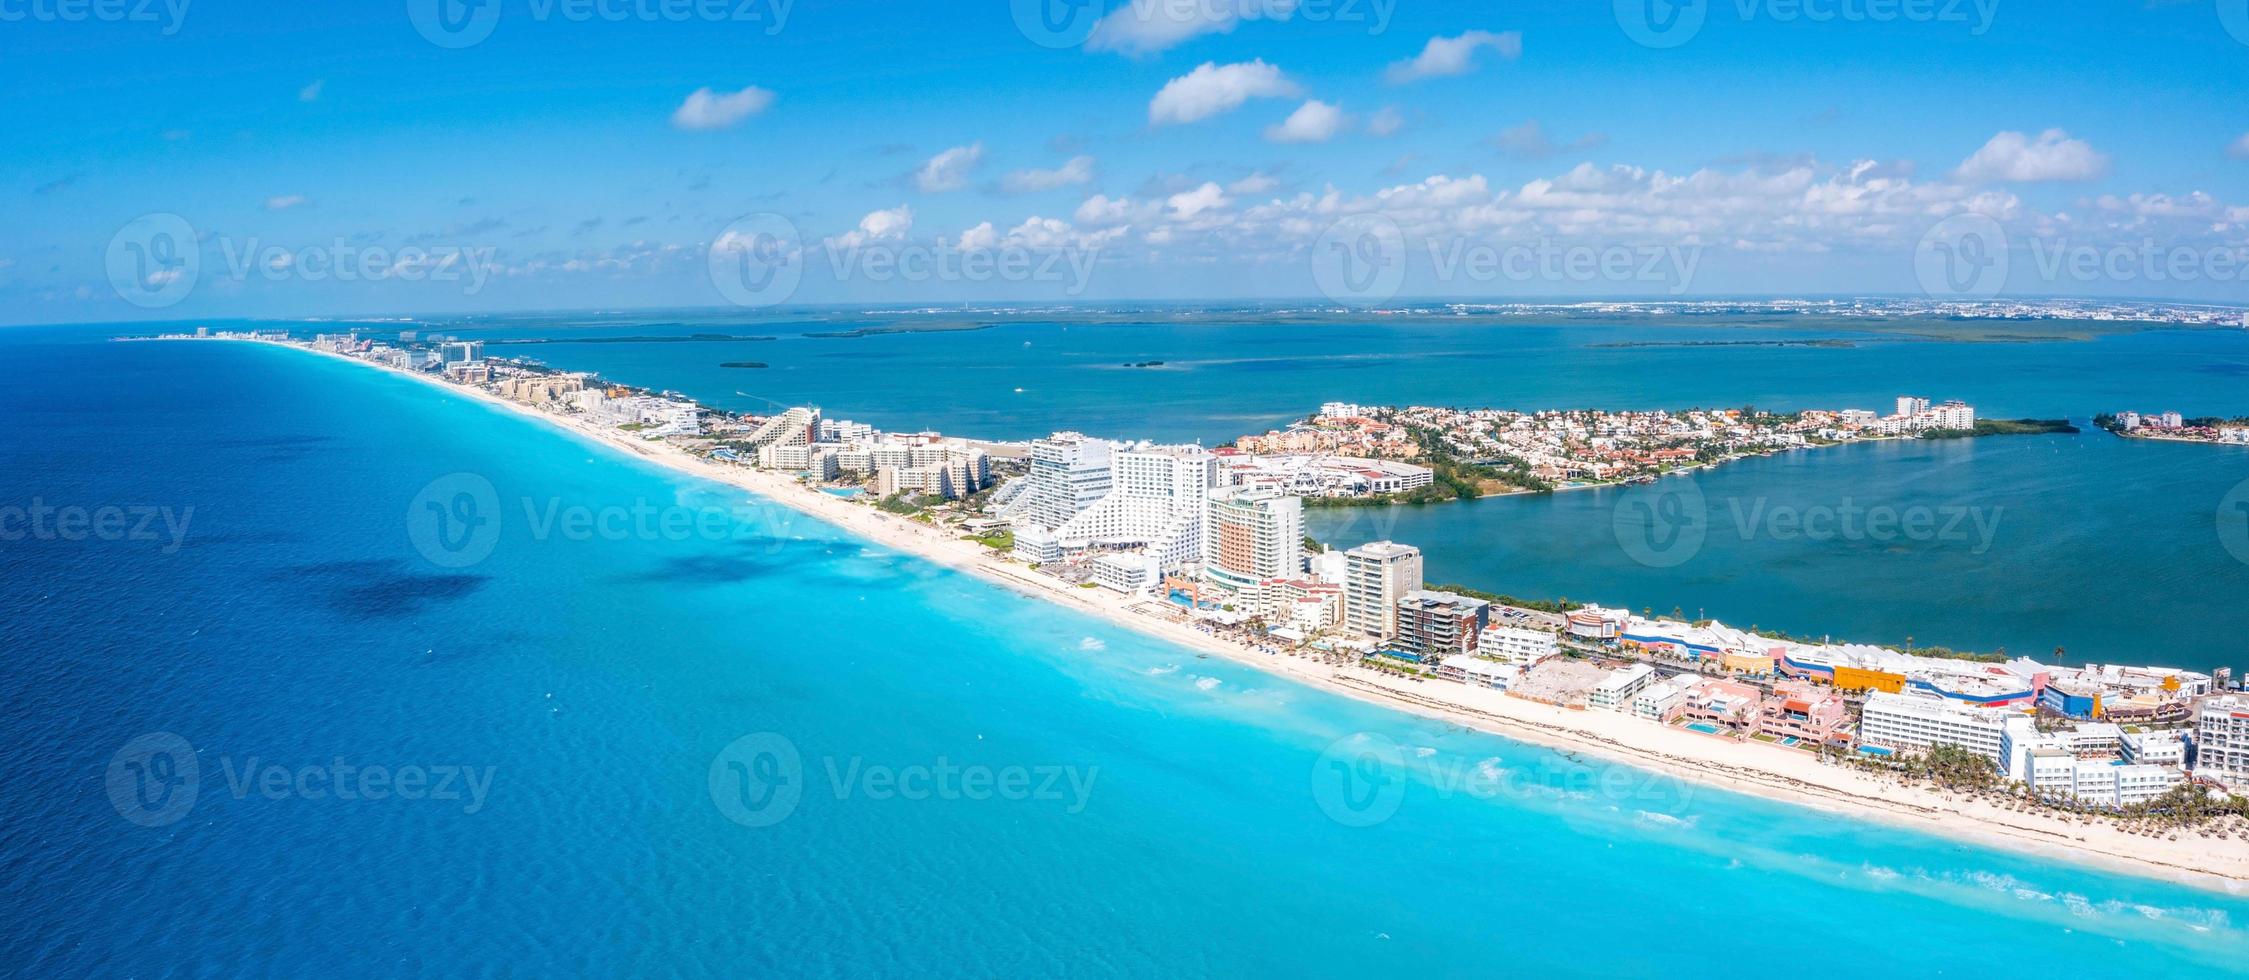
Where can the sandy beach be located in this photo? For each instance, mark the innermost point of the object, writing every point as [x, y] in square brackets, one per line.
[1786, 775]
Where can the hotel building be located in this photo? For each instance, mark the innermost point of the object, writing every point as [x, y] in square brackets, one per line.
[2221, 741]
[1255, 536]
[1916, 724]
[1375, 576]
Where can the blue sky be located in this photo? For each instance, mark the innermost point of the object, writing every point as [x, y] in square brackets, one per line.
[565, 159]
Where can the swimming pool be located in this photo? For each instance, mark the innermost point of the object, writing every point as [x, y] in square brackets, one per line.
[1704, 727]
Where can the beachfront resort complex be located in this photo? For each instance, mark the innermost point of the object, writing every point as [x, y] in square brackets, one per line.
[1214, 539]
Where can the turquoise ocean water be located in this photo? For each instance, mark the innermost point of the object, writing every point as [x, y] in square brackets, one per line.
[603, 680]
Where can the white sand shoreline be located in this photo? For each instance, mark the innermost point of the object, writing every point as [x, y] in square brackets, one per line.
[1785, 775]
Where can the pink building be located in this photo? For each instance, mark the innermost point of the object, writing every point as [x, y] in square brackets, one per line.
[1800, 711]
[1730, 706]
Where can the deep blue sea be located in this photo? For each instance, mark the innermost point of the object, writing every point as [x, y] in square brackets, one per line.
[715, 738]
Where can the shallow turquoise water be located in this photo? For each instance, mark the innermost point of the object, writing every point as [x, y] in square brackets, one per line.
[598, 677]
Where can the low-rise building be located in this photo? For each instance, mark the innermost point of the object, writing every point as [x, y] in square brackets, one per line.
[1730, 706]
[1515, 644]
[1615, 692]
[1662, 699]
[1800, 712]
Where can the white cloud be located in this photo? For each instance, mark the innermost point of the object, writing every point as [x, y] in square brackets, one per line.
[2013, 156]
[311, 93]
[1078, 170]
[1386, 122]
[887, 225]
[1254, 184]
[1035, 233]
[1313, 122]
[1188, 204]
[949, 171]
[706, 109]
[1101, 209]
[1145, 27]
[979, 238]
[1213, 88]
[2239, 149]
[1454, 55]
[283, 202]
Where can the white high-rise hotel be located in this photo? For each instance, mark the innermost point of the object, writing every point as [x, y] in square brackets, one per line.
[1086, 493]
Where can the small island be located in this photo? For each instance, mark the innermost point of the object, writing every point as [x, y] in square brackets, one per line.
[2173, 427]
